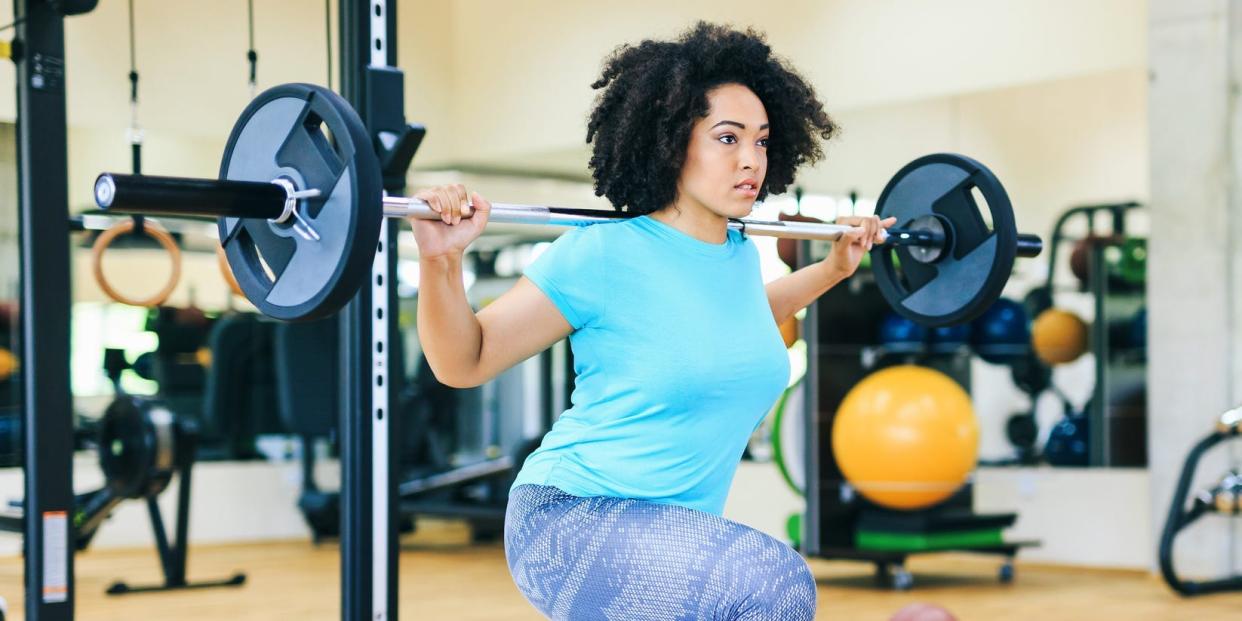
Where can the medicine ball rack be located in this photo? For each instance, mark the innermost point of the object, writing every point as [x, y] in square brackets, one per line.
[836, 329]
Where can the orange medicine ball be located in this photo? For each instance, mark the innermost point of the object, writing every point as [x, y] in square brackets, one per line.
[789, 332]
[906, 437]
[1058, 336]
[8, 364]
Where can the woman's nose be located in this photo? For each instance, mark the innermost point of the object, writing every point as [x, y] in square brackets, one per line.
[748, 159]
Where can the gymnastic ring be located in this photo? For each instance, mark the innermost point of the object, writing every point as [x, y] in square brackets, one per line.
[222, 261]
[152, 230]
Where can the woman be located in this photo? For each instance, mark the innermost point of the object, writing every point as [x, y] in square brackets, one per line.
[676, 346]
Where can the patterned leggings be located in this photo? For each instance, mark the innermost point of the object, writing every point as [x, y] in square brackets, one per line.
[613, 558]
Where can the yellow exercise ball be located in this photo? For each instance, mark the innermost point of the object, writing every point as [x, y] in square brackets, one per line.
[8, 364]
[906, 437]
[203, 357]
[1058, 336]
[789, 332]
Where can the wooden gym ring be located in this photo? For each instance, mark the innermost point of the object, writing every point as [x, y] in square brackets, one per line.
[222, 260]
[152, 230]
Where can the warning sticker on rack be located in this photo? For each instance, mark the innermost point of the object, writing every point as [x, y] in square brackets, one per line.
[55, 556]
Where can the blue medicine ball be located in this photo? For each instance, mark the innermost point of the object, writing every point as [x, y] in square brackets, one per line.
[948, 339]
[901, 335]
[1067, 442]
[1002, 333]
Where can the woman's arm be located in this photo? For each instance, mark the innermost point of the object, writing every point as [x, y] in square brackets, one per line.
[464, 348]
[467, 349]
[791, 293]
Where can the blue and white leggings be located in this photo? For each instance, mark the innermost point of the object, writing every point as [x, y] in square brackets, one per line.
[614, 558]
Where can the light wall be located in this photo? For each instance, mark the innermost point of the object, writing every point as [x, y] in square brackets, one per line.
[524, 69]
[503, 82]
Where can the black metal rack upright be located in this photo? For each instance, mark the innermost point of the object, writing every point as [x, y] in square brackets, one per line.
[43, 220]
[373, 86]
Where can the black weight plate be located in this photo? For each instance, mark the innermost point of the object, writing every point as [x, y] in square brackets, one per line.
[136, 447]
[312, 137]
[971, 274]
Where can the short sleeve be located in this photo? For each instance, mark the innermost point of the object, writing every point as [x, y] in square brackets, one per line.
[568, 273]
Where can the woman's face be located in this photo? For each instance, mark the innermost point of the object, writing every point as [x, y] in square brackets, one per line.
[727, 156]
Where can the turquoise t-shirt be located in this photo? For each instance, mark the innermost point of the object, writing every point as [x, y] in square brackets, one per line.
[677, 357]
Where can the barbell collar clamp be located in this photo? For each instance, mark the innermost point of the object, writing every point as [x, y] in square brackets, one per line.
[292, 196]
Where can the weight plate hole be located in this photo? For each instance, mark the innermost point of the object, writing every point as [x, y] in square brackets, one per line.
[984, 209]
[901, 273]
[267, 269]
[314, 124]
[321, 136]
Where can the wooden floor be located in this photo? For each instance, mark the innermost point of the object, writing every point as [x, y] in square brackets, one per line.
[445, 579]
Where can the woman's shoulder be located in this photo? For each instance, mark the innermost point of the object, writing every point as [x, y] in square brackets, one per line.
[584, 241]
[598, 234]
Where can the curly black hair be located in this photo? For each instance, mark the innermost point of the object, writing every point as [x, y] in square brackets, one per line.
[654, 92]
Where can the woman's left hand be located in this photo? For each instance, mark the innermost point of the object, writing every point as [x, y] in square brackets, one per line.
[848, 251]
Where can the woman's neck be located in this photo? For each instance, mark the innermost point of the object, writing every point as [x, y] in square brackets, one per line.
[693, 219]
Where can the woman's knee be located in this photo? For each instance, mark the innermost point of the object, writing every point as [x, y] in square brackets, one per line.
[792, 595]
[803, 594]
[778, 584]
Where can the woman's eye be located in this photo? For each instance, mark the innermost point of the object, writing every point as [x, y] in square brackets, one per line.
[727, 138]
[763, 142]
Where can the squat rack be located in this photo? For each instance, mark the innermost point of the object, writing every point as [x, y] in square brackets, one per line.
[374, 86]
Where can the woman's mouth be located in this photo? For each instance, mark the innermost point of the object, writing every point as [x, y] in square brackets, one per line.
[747, 188]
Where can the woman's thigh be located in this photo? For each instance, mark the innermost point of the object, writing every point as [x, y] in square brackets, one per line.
[610, 558]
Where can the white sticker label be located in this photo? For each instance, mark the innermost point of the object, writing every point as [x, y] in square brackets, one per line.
[55, 557]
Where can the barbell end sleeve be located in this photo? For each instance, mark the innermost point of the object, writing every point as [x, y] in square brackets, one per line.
[149, 195]
[105, 190]
[911, 237]
[1029, 245]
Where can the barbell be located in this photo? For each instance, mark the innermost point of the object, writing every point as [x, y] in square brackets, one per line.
[300, 202]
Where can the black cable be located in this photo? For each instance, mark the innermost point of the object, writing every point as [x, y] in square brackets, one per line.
[251, 55]
[327, 30]
[135, 135]
[133, 65]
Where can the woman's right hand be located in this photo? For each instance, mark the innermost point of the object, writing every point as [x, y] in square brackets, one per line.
[459, 222]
